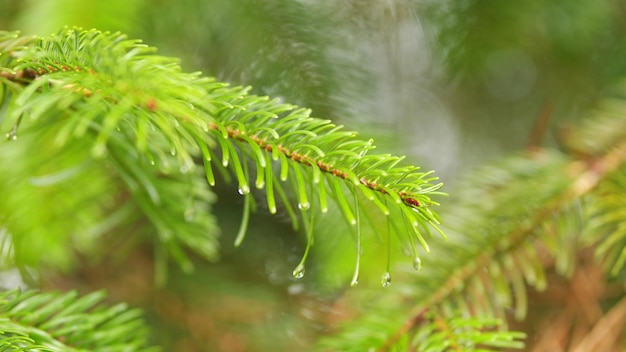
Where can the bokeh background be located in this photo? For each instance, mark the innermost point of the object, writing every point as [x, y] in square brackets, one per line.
[452, 84]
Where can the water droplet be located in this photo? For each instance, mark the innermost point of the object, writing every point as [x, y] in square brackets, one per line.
[172, 150]
[386, 279]
[260, 184]
[304, 206]
[243, 190]
[298, 272]
[150, 158]
[11, 136]
[417, 264]
[355, 281]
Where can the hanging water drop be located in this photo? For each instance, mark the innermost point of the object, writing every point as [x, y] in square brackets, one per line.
[386, 279]
[243, 190]
[304, 205]
[172, 150]
[298, 272]
[11, 136]
[417, 264]
[355, 281]
[150, 158]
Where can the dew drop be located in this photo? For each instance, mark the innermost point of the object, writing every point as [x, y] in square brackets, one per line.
[386, 279]
[11, 136]
[304, 206]
[355, 281]
[150, 158]
[243, 190]
[417, 264]
[172, 150]
[298, 272]
[260, 185]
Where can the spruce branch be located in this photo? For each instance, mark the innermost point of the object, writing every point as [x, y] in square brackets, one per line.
[33, 321]
[583, 177]
[508, 218]
[606, 229]
[134, 109]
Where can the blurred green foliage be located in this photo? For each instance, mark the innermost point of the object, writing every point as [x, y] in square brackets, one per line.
[451, 83]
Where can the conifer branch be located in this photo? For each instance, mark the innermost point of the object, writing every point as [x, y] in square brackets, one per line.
[54, 322]
[136, 108]
[583, 175]
[509, 216]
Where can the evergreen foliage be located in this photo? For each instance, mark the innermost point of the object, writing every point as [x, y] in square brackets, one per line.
[129, 123]
[132, 108]
[99, 123]
[502, 240]
[66, 322]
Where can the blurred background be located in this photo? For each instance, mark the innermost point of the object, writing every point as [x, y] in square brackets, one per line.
[452, 84]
